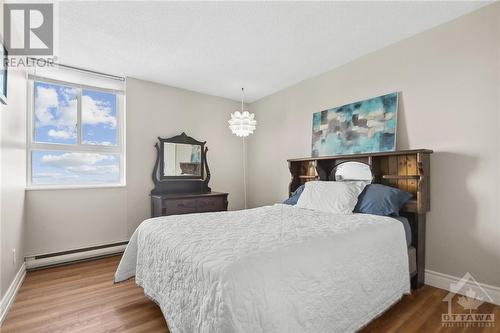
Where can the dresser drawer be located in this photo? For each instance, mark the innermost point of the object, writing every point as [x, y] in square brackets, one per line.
[179, 206]
[213, 204]
[171, 204]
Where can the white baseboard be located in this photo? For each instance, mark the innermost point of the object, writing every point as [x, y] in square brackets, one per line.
[33, 262]
[10, 295]
[444, 281]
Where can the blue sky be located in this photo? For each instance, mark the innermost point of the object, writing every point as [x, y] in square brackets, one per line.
[56, 115]
[56, 122]
[98, 127]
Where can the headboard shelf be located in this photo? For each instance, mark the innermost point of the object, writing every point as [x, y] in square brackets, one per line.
[400, 176]
[408, 170]
[354, 156]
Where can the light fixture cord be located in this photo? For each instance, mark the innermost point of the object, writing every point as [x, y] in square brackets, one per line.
[242, 100]
[244, 156]
[244, 173]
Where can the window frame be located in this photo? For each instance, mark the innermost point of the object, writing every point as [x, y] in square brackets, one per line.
[79, 147]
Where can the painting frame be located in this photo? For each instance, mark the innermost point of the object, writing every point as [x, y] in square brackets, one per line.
[365, 126]
[3, 74]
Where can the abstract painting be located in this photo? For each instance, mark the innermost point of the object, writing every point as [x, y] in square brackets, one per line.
[367, 126]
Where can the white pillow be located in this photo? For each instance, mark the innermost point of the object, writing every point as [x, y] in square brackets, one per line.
[330, 196]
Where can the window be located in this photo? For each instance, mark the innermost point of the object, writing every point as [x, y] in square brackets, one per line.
[76, 135]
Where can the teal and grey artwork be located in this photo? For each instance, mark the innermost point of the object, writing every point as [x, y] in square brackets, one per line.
[367, 126]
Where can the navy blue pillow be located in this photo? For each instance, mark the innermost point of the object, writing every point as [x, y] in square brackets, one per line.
[295, 196]
[382, 200]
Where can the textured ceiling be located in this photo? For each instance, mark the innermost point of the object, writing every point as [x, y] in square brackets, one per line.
[218, 47]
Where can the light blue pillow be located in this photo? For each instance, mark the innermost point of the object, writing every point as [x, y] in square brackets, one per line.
[378, 199]
[295, 196]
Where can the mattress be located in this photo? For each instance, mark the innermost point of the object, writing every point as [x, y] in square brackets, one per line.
[406, 226]
[270, 269]
[412, 252]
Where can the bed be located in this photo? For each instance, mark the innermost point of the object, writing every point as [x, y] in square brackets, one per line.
[284, 268]
[269, 269]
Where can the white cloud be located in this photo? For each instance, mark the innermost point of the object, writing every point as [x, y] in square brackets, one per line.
[46, 98]
[75, 159]
[53, 109]
[55, 175]
[102, 143]
[94, 169]
[67, 114]
[67, 133]
[96, 112]
[81, 164]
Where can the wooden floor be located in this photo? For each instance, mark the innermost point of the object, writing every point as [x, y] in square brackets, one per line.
[83, 298]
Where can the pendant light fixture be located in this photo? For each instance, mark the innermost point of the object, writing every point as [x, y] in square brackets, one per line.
[242, 123]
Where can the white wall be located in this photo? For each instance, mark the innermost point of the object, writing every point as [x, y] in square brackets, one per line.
[59, 220]
[12, 175]
[450, 82]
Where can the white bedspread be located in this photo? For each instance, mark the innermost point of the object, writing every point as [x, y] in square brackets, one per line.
[269, 269]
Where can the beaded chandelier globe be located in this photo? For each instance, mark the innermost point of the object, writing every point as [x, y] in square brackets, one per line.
[242, 123]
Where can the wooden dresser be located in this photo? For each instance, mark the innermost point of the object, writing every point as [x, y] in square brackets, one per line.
[181, 176]
[185, 203]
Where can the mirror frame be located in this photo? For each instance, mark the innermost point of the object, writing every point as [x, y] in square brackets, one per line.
[180, 184]
[181, 139]
[333, 173]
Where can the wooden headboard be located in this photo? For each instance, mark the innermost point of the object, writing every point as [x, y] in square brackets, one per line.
[408, 170]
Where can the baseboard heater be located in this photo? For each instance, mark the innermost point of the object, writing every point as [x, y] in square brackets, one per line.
[72, 256]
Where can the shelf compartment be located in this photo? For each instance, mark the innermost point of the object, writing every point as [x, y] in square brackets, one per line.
[400, 177]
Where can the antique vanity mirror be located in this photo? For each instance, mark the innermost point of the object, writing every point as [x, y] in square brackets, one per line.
[181, 166]
[352, 171]
[181, 160]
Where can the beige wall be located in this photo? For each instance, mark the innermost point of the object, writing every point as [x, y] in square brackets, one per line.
[59, 220]
[449, 79]
[12, 175]
[1, 169]
[157, 110]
